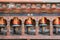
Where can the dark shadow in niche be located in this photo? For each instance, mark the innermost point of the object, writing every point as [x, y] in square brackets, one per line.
[16, 25]
[3, 25]
[44, 26]
[30, 26]
[56, 26]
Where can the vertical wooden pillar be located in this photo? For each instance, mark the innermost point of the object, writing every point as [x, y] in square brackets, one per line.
[37, 29]
[23, 30]
[51, 28]
[8, 27]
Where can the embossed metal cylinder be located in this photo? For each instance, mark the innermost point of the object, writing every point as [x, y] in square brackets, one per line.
[44, 25]
[30, 26]
[3, 25]
[16, 25]
[56, 24]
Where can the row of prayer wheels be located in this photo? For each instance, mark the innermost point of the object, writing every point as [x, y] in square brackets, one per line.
[42, 5]
[29, 24]
[37, 8]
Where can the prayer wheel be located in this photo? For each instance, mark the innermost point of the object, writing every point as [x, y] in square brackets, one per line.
[30, 25]
[56, 24]
[43, 24]
[3, 24]
[16, 24]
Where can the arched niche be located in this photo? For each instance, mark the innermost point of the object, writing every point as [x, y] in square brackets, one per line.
[56, 20]
[15, 24]
[44, 20]
[15, 20]
[44, 25]
[56, 25]
[30, 25]
[3, 25]
[32, 21]
[3, 21]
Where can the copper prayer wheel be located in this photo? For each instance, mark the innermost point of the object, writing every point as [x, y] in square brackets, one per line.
[15, 20]
[3, 24]
[2, 20]
[29, 25]
[16, 24]
[43, 20]
[29, 20]
[56, 20]
[56, 24]
[44, 23]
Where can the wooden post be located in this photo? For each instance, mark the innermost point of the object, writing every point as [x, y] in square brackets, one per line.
[8, 28]
[51, 28]
[23, 30]
[37, 28]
